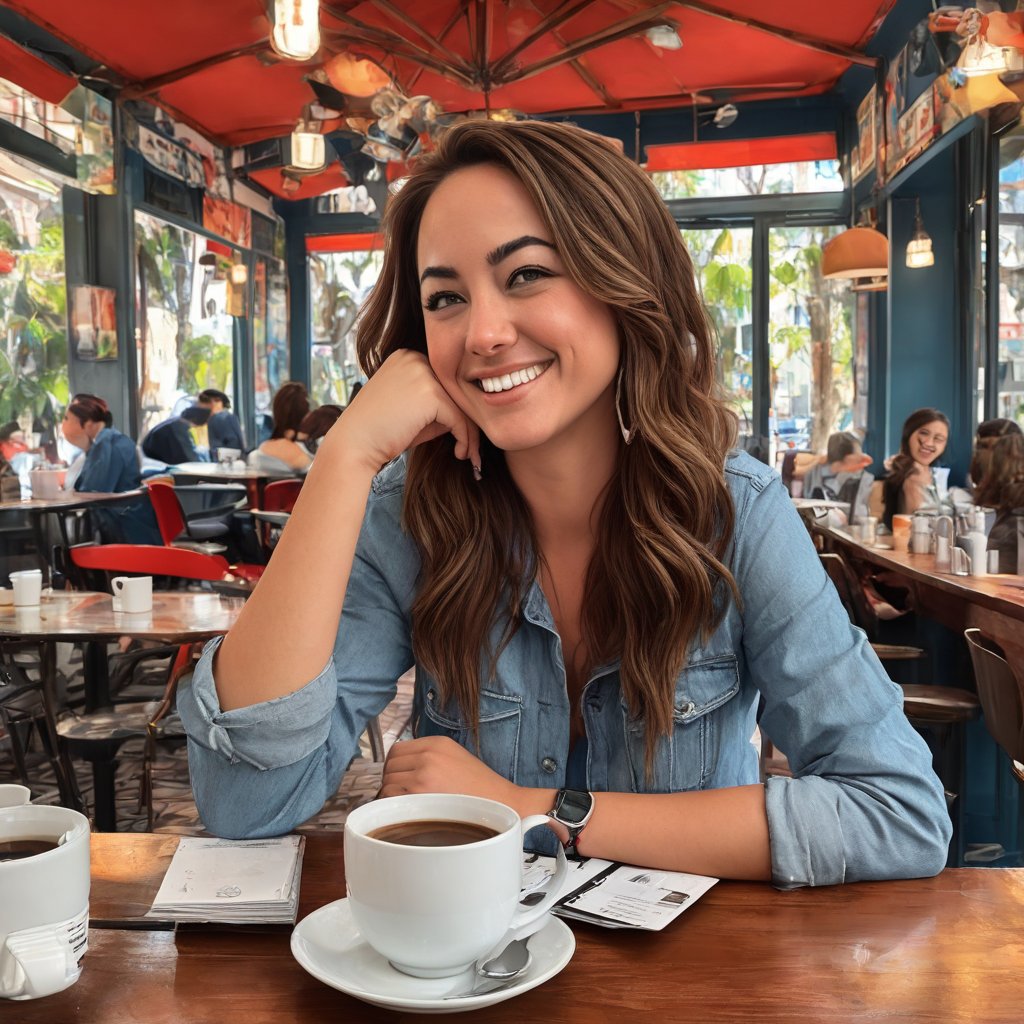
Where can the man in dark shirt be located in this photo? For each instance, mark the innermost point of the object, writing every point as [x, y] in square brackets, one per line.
[223, 428]
[170, 442]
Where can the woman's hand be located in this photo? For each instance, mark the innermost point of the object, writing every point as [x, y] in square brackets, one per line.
[437, 764]
[401, 406]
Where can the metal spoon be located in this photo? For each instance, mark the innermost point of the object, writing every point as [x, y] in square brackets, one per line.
[499, 971]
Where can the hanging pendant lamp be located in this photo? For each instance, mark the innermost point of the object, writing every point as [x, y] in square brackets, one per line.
[856, 252]
[919, 248]
[296, 28]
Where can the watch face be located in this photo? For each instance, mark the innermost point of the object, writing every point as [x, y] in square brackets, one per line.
[573, 806]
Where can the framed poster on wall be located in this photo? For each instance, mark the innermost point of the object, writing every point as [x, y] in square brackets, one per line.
[93, 323]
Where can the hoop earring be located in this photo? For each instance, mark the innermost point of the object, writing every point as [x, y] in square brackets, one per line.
[627, 434]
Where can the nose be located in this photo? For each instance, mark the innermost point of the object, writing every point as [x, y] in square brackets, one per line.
[490, 327]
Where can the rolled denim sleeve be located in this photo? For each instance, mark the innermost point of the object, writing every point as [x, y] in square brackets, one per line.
[863, 802]
[264, 769]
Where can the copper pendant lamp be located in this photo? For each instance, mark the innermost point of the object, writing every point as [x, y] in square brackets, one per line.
[856, 252]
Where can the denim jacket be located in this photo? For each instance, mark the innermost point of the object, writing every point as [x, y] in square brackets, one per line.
[863, 802]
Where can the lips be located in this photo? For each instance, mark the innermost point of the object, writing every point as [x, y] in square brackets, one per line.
[513, 379]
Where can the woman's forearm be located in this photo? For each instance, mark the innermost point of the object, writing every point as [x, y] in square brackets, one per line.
[718, 832]
[286, 632]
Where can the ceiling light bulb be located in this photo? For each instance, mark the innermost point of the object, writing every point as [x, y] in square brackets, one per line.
[665, 37]
[239, 273]
[919, 248]
[308, 152]
[296, 31]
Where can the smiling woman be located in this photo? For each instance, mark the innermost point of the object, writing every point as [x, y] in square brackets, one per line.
[596, 592]
[910, 482]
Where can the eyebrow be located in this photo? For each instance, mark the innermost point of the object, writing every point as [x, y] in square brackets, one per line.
[494, 257]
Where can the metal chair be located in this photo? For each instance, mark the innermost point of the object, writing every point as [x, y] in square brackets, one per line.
[1002, 698]
[200, 532]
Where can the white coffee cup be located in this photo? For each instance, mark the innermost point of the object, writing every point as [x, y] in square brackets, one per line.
[432, 911]
[13, 795]
[44, 902]
[132, 594]
[28, 587]
[46, 483]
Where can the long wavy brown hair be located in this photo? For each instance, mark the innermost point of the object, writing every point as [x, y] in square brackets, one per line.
[657, 578]
[1002, 486]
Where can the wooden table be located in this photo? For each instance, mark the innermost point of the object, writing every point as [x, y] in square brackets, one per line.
[946, 949]
[65, 502]
[992, 603]
[89, 618]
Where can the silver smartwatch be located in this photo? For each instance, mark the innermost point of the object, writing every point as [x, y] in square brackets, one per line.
[573, 809]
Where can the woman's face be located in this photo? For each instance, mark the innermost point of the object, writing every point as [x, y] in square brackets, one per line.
[73, 431]
[927, 443]
[522, 350]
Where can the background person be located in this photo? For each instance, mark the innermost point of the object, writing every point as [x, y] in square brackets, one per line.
[171, 441]
[563, 553]
[910, 481]
[223, 428]
[316, 423]
[843, 463]
[1001, 486]
[110, 465]
[290, 405]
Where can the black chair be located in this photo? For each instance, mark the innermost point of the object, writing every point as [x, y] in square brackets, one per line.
[1002, 698]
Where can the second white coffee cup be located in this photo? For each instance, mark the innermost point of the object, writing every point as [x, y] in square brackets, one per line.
[27, 585]
[433, 911]
[134, 593]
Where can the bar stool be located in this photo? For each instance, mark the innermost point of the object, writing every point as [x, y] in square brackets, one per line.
[1002, 698]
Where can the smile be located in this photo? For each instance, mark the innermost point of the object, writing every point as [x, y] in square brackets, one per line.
[507, 381]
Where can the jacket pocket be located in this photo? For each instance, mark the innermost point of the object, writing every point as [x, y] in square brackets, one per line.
[500, 717]
[688, 758]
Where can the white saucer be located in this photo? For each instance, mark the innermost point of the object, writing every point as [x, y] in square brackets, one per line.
[328, 945]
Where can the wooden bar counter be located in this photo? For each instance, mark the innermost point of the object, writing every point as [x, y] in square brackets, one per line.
[944, 949]
[992, 603]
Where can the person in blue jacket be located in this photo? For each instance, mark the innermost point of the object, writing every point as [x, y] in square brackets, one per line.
[596, 590]
[223, 429]
[111, 466]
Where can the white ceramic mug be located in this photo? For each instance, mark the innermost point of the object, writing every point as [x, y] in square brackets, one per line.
[46, 483]
[44, 902]
[28, 587]
[132, 594]
[432, 911]
[13, 795]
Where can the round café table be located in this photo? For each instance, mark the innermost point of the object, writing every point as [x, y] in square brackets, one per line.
[89, 618]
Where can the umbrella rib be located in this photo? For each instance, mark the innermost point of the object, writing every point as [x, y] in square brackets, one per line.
[395, 43]
[809, 42]
[401, 16]
[409, 51]
[620, 30]
[557, 17]
[452, 22]
[157, 82]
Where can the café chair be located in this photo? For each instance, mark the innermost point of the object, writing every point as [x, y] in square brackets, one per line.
[199, 533]
[278, 496]
[176, 531]
[1002, 698]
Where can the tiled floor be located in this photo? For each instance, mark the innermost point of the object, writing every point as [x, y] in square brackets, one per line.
[174, 810]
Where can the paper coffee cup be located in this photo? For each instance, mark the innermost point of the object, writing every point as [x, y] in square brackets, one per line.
[27, 585]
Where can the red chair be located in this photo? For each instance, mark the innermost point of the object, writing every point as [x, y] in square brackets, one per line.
[177, 533]
[281, 495]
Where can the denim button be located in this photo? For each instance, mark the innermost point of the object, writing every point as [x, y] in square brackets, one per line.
[549, 764]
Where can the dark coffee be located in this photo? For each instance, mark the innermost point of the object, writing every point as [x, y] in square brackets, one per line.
[19, 849]
[433, 833]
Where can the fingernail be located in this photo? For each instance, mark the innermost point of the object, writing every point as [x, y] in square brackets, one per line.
[477, 472]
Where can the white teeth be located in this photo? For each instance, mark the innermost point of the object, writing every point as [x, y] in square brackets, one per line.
[511, 380]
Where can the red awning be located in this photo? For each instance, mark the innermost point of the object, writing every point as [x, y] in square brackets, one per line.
[308, 186]
[345, 243]
[31, 73]
[703, 156]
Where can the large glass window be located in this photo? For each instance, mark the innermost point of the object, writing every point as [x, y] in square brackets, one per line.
[722, 259]
[186, 327]
[269, 335]
[811, 347]
[339, 282]
[1010, 364]
[33, 307]
[758, 180]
